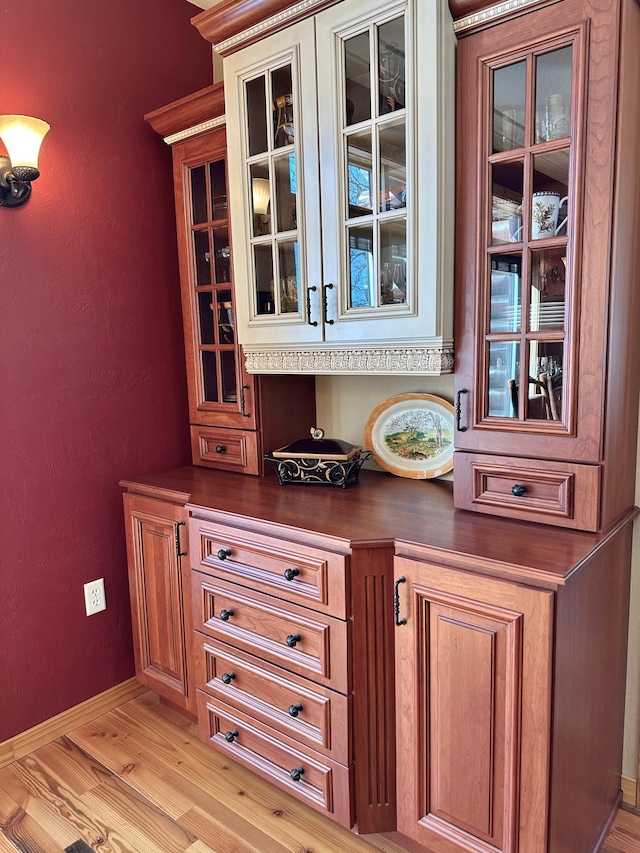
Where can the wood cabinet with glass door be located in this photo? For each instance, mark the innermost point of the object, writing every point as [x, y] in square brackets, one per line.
[235, 418]
[340, 130]
[547, 372]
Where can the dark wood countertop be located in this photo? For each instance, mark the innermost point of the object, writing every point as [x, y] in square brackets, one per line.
[380, 508]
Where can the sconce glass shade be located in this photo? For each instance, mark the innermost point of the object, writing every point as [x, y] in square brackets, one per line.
[261, 195]
[22, 136]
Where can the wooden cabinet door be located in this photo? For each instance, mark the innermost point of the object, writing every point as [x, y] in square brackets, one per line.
[473, 682]
[158, 570]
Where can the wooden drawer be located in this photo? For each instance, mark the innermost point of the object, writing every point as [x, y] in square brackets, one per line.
[551, 492]
[229, 449]
[292, 706]
[310, 644]
[300, 573]
[319, 781]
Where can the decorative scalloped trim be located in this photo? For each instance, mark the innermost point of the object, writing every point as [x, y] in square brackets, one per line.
[429, 360]
[197, 128]
[490, 14]
[267, 24]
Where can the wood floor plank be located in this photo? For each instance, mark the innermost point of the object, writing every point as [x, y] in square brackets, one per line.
[57, 809]
[29, 837]
[139, 821]
[70, 765]
[6, 846]
[625, 834]
[221, 837]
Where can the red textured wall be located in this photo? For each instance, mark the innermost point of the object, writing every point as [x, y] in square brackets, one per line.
[92, 383]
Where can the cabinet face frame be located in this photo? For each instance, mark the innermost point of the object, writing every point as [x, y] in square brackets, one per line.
[515, 627]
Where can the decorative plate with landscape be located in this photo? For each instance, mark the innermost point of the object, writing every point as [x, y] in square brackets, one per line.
[411, 435]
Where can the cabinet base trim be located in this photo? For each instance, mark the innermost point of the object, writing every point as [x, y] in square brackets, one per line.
[428, 360]
[49, 730]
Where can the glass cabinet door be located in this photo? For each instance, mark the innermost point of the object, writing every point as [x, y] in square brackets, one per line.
[211, 280]
[529, 291]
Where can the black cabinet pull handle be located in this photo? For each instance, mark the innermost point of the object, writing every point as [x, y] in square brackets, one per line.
[223, 553]
[225, 614]
[325, 307]
[227, 677]
[292, 639]
[178, 551]
[396, 602]
[245, 413]
[221, 448]
[518, 490]
[231, 736]
[290, 574]
[294, 710]
[296, 773]
[310, 321]
[459, 410]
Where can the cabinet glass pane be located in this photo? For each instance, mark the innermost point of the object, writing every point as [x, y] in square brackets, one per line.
[393, 262]
[505, 310]
[202, 257]
[256, 115]
[285, 180]
[210, 376]
[357, 73]
[263, 266]
[205, 310]
[506, 202]
[222, 254]
[289, 276]
[225, 317]
[550, 195]
[545, 380]
[361, 270]
[391, 69]
[228, 376]
[218, 179]
[359, 174]
[504, 367]
[553, 95]
[261, 199]
[509, 107]
[198, 195]
[283, 119]
[547, 297]
[393, 166]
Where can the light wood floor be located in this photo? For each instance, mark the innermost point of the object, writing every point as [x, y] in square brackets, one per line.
[138, 780]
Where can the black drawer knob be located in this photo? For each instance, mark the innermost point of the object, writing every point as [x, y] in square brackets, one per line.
[518, 490]
[296, 773]
[225, 614]
[292, 639]
[223, 553]
[290, 574]
[231, 736]
[294, 710]
[221, 448]
[227, 677]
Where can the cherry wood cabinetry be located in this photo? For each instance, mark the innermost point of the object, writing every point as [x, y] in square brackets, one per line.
[157, 551]
[547, 253]
[348, 644]
[235, 419]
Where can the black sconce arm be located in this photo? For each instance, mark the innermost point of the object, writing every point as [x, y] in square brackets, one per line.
[15, 184]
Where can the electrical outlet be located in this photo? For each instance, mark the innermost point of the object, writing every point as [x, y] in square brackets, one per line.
[94, 600]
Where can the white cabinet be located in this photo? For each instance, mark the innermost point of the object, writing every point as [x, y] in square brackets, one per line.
[340, 152]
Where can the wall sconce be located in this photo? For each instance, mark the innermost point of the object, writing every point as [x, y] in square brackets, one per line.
[261, 192]
[22, 137]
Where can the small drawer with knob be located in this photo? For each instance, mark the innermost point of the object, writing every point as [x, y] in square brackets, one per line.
[302, 641]
[317, 780]
[292, 706]
[295, 571]
[547, 491]
[229, 449]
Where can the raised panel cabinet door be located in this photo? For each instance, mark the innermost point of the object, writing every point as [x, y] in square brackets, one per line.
[157, 558]
[473, 676]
